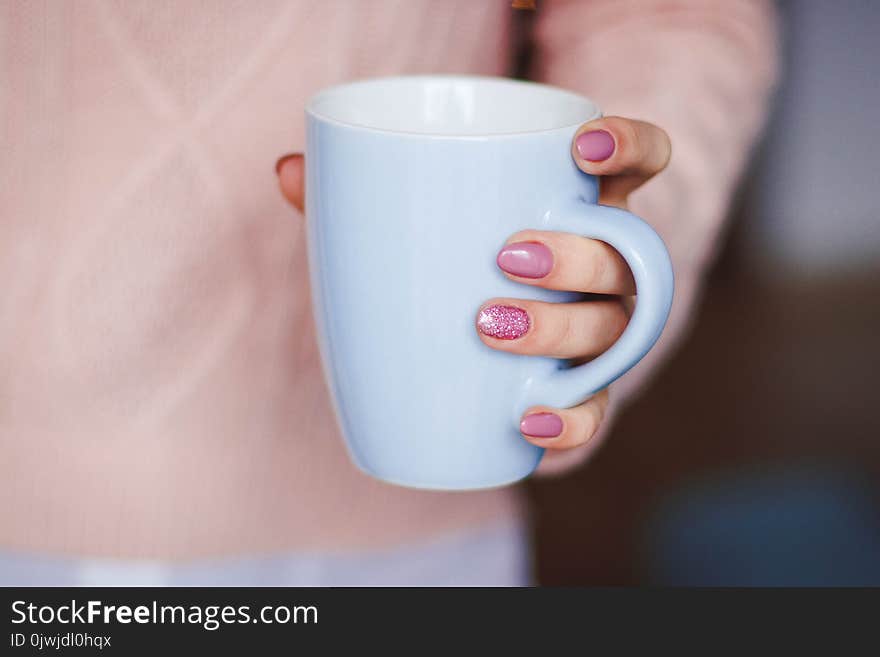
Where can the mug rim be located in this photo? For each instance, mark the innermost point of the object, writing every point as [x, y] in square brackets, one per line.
[312, 111]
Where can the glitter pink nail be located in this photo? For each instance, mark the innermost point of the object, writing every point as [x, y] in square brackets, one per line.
[503, 322]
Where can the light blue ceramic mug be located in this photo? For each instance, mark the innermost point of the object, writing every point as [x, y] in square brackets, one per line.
[412, 186]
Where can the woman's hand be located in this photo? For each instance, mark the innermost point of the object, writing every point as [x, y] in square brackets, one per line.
[626, 153]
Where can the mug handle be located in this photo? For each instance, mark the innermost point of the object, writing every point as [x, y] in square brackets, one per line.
[647, 257]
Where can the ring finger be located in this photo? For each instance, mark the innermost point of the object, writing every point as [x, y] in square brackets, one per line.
[560, 330]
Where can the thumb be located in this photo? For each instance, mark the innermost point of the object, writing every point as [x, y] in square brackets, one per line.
[291, 177]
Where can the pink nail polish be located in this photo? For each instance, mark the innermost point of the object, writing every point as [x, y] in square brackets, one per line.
[526, 259]
[503, 322]
[541, 425]
[595, 146]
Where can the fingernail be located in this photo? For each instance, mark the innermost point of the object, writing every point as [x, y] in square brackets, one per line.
[541, 425]
[283, 159]
[503, 322]
[595, 146]
[526, 259]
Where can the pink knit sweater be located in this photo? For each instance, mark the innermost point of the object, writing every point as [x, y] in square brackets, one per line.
[160, 390]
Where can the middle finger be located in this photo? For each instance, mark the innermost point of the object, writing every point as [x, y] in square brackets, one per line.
[564, 261]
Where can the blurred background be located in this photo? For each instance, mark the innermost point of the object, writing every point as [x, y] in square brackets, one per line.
[759, 462]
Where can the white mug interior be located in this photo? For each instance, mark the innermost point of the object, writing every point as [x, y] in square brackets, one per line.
[450, 106]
